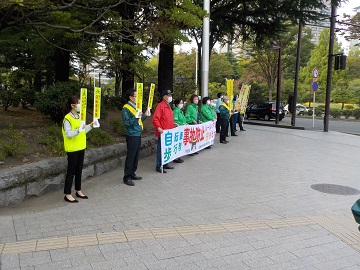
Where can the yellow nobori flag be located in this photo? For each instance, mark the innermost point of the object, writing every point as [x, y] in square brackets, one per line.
[83, 104]
[151, 96]
[230, 92]
[139, 96]
[97, 106]
[245, 98]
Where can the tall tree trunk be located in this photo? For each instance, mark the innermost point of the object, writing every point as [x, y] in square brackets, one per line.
[128, 14]
[117, 83]
[62, 65]
[38, 81]
[166, 67]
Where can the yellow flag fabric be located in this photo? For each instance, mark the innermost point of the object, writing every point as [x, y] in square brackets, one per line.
[151, 95]
[139, 96]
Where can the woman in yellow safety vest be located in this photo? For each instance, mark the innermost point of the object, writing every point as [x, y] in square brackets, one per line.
[75, 144]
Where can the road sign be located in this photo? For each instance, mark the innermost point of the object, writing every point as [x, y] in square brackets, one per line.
[315, 86]
[315, 73]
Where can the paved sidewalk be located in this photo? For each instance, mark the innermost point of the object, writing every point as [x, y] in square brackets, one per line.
[245, 205]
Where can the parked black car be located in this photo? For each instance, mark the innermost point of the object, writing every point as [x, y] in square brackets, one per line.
[264, 111]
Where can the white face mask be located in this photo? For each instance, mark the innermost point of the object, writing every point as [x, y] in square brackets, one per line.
[196, 101]
[221, 96]
[169, 99]
[180, 106]
[78, 107]
[208, 102]
[227, 102]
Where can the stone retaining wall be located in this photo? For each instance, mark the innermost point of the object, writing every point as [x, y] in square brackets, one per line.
[35, 179]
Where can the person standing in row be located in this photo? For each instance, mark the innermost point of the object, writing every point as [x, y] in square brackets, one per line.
[224, 117]
[163, 119]
[206, 112]
[134, 126]
[218, 102]
[179, 118]
[74, 144]
[234, 117]
[192, 115]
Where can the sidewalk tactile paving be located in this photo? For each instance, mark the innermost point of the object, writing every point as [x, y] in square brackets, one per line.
[52, 243]
[343, 228]
[138, 235]
[255, 224]
[212, 228]
[83, 240]
[20, 247]
[164, 232]
[234, 227]
[110, 238]
[188, 230]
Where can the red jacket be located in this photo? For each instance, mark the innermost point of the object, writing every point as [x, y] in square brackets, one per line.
[163, 117]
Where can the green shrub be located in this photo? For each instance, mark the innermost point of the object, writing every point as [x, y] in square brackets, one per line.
[8, 96]
[336, 113]
[346, 113]
[318, 112]
[310, 112]
[98, 137]
[54, 141]
[118, 126]
[356, 113]
[113, 102]
[321, 107]
[12, 142]
[51, 101]
[349, 107]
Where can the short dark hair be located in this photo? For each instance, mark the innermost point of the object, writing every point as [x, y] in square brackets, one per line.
[177, 101]
[192, 97]
[129, 93]
[219, 95]
[205, 99]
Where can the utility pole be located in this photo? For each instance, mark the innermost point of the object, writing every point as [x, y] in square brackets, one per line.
[330, 63]
[205, 51]
[278, 84]
[297, 69]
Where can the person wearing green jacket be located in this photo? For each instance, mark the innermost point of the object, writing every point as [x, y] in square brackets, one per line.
[192, 113]
[207, 113]
[179, 118]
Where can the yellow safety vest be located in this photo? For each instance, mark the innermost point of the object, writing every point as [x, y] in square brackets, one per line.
[134, 112]
[76, 143]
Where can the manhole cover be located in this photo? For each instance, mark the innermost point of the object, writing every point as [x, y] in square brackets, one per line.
[335, 189]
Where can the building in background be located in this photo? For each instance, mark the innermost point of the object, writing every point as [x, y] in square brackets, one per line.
[318, 26]
[356, 41]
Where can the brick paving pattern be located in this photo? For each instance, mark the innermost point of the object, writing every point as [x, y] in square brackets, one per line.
[244, 205]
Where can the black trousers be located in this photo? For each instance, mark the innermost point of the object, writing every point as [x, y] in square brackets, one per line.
[218, 124]
[241, 122]
[133, 144]
[75, 166]
[224, 125]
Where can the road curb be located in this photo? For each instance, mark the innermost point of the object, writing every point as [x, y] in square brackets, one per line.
[274, 125]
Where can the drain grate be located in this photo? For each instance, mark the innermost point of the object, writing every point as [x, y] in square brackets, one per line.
[335, 189]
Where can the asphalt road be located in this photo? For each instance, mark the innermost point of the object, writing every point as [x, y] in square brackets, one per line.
[349, 126]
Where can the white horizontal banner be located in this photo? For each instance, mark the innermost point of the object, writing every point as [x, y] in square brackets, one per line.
[187, 139]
